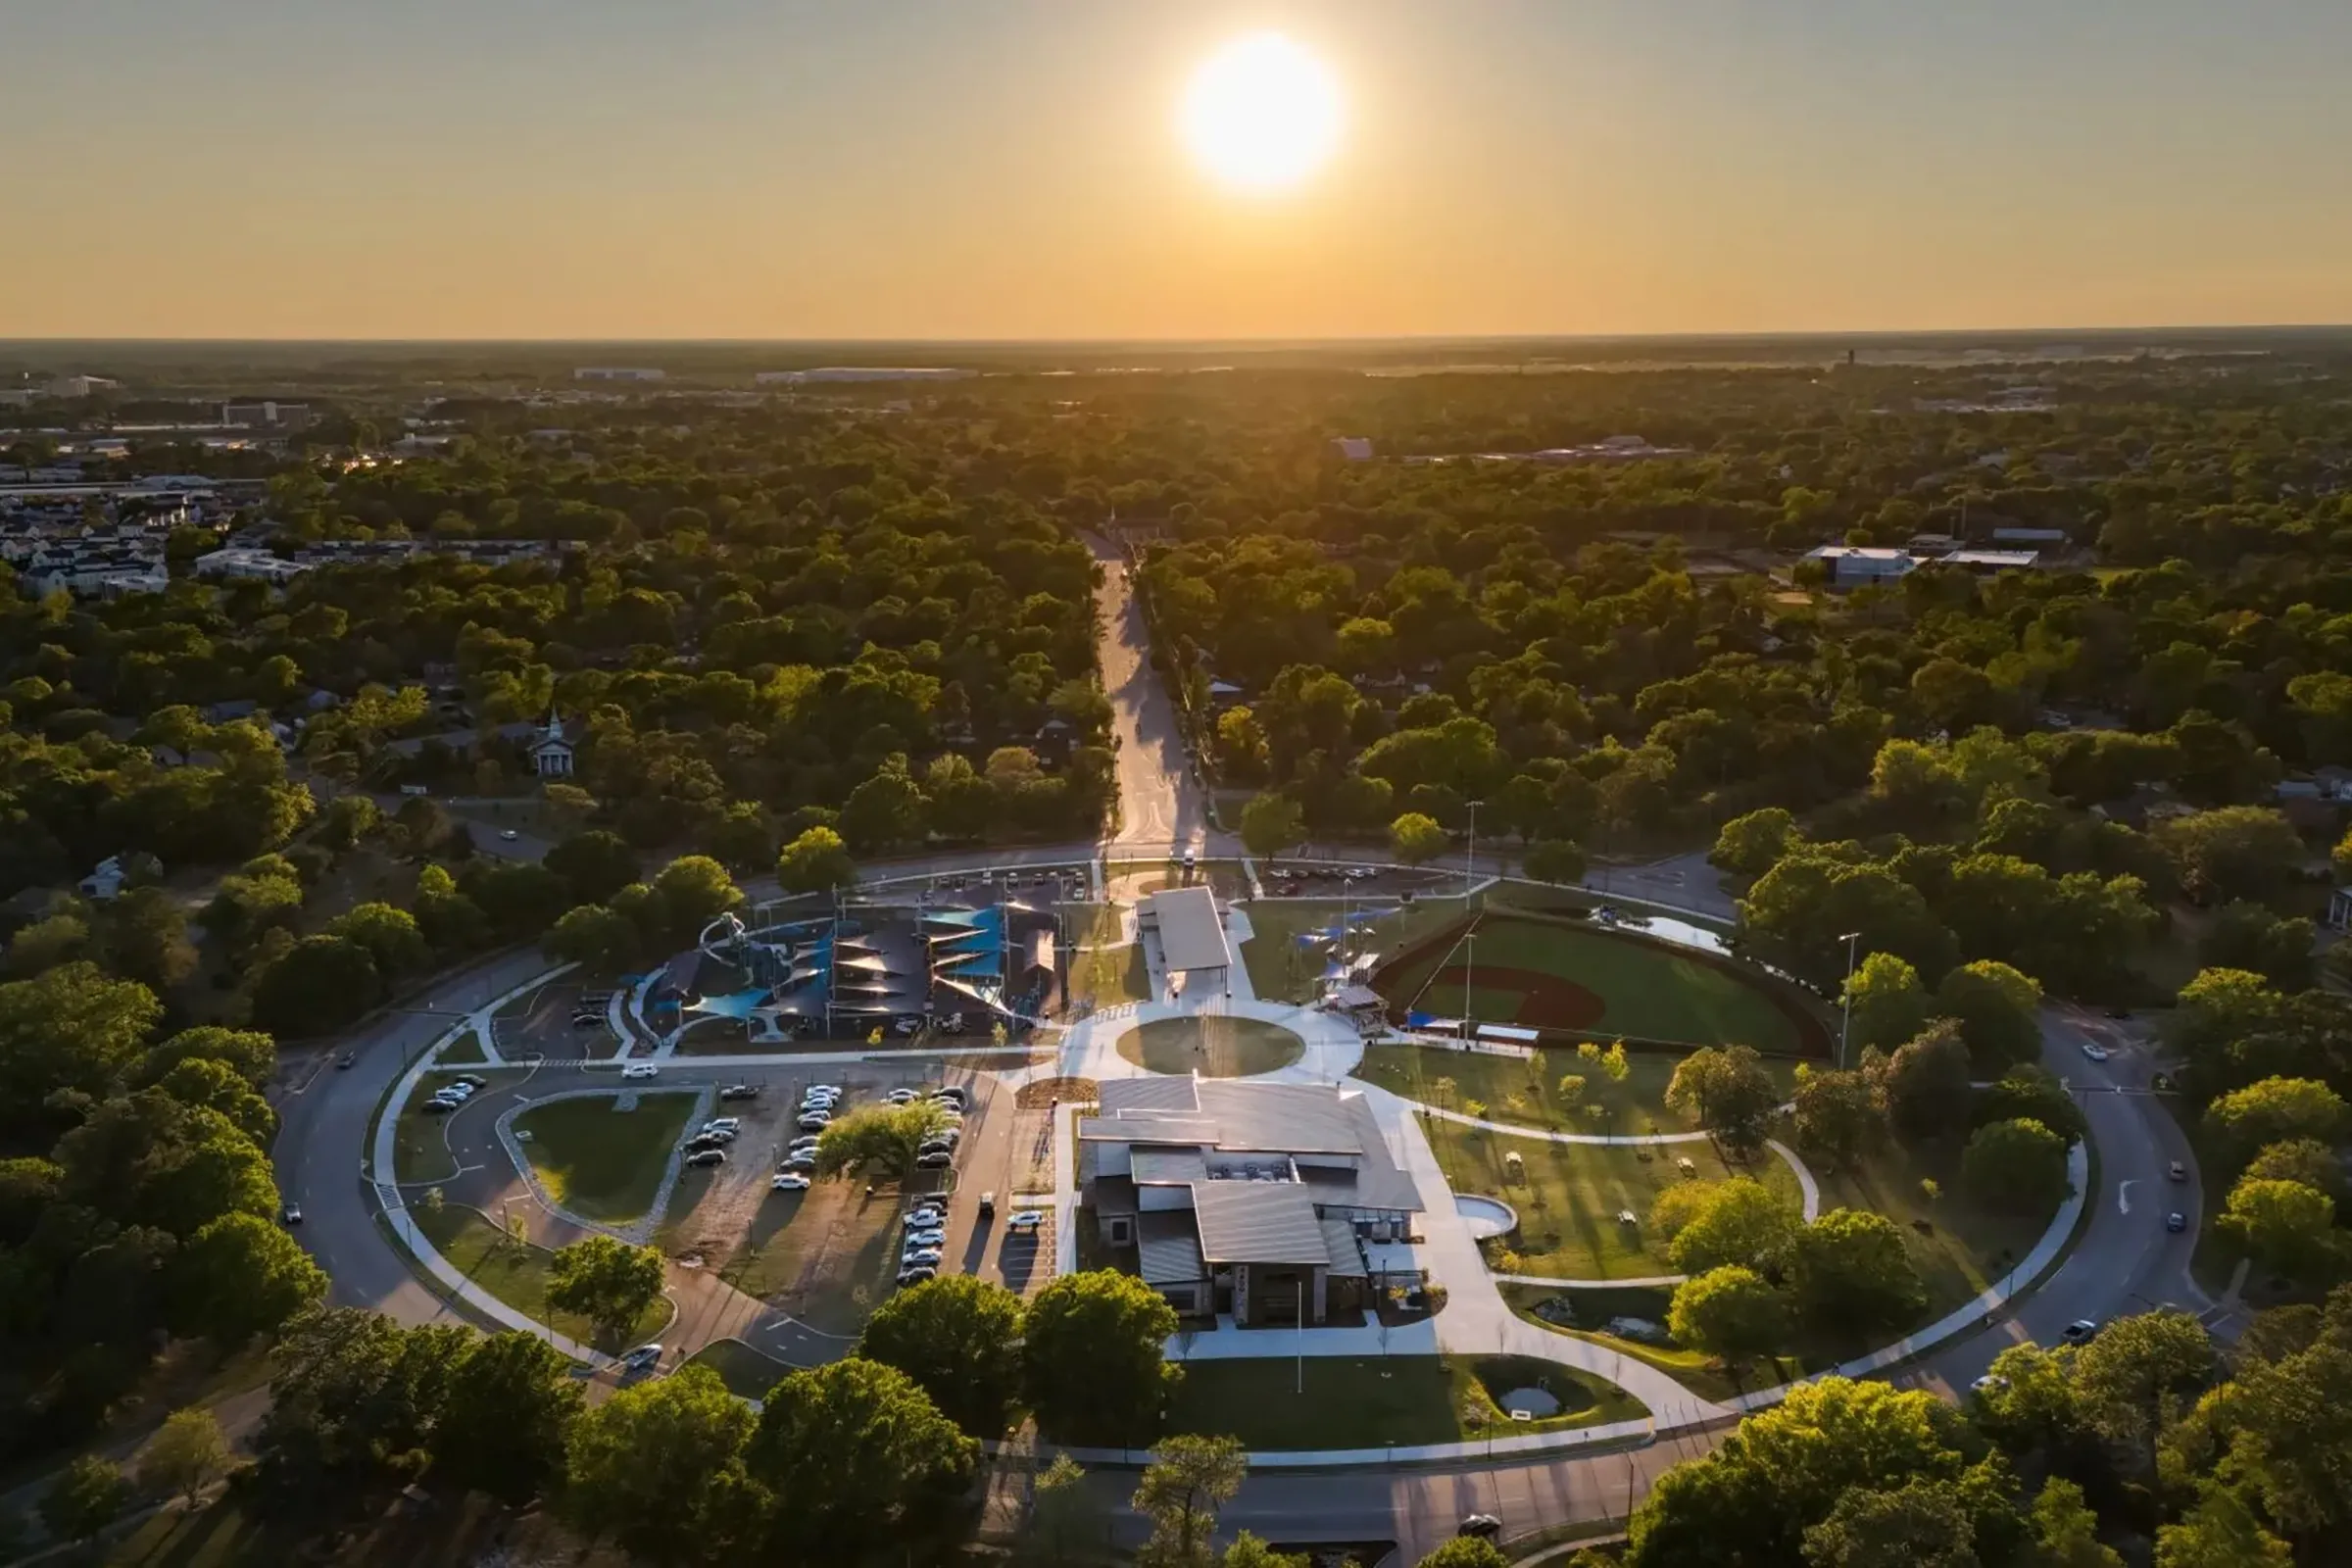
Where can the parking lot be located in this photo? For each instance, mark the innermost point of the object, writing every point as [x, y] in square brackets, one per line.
[542, 1024]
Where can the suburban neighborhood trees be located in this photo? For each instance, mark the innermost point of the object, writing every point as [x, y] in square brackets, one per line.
[503, 1425]
[1851, 1270]
[858, 1456]
[658, 1469]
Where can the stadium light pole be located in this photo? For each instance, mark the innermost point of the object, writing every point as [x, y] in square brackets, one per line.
[1845, 998]
[1470, 857]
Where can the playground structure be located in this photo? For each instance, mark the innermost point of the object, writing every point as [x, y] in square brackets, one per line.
[835, 973]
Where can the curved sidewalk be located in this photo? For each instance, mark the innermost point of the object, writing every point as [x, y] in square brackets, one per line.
[1804, 1178]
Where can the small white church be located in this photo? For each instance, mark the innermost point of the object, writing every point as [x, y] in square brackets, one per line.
[551, 753]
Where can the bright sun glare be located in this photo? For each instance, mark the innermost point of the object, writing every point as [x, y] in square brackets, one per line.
[1261, 113]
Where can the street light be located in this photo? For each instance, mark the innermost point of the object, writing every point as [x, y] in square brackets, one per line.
[1846, 1017]
[1470, 857]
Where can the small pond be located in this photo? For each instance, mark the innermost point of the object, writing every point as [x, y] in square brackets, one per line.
[1487, 1216]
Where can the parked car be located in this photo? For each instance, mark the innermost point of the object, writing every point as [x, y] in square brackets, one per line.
[797, 1164]
[936, 1159]
[2175, 1223]
[723, 1124]
[929, 1238]
[707, 1156]
[471, 1080]
[1484, 1526]
[815, 1121]
[642, 1358]
[437, 1105]
[988, 1204]
[1028, 1219]
[790, 1181]
[898, 1096]
[1988, 1384]
[922, 1257]
[740, 1091]
[640, 1069]
[951, 1096]
[916, 1274]
[825, 1088]
[2082, 1331]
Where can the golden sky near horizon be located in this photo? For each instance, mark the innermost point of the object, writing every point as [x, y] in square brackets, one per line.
[1024, 169]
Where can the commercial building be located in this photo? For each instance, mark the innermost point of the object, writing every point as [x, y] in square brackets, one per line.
[1257, 1199]
[617, 373]
[1191, 935]
[1855, 566]
[865, 373]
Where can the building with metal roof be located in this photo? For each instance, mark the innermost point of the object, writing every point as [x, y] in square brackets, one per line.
[1190, 934]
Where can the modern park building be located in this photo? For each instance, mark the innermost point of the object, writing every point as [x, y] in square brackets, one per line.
[1270, 1202]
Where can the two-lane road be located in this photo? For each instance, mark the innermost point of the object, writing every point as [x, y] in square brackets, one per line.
[1161, 801]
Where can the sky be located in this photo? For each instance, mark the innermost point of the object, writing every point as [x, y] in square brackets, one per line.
[926, 169]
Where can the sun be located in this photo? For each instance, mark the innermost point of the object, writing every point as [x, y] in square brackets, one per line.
[1261, 114]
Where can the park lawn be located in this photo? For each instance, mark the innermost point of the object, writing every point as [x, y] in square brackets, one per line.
[515, 1272]
[457, 1531]
[600, 1163]
[748, 1374]
[465, 1048]
[1215, 1047]
[827, 1255]
[1695, 1370]
[1376, 1402]
[1282, 970]
[1103, 974]
[1647, 988]
[1570, 1196]
[1964, 1248]
[1524, 1091]
[420, 1149]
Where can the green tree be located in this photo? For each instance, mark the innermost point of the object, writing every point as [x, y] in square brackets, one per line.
[1247, 1550]
[240, 1276]
[354, 1397]
[862, 1457]
[592, 935]
[145, 935]
[1560, 860]
[885, 811]
[817, 862]
[594, 865]
[503, 1427]
[959, 1338]
[2237, 851]
[187, 1453]
[2283, 1225]
[2219, 1532]
[70, 1027]
[882, 1137]
[1092, 1359]
[389, 935]
[690, 893]
[1189, 1479]
[1995, 1006]
[45, 944]
[1270, 824]
[2031, 1092]
[1923, 1522]
[2245, 935]
[1926, 1084]
[1066, 1524]
[2270, 1111]
[1739, 1221]
[1415, 837]
[1730, 1312]
[1726, 1090]
[1851, 1270]
[1885, 1003]
[1751, 845]
[2015, 1166]
[1839, 1116]
[2304, 1160]
[607, 1281]
[87, 1494]
[1466, 1551]
[321, 984]
[2133, 1380]
[658, 1469]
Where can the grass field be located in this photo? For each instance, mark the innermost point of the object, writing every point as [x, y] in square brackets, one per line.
[515, 1272]
[467, 1047]
[747, 1373]
[1213, 1047]
[827, 1255]
[1569, 1196]
[1103, 975]
[1524, 1091]
[604, 1165]
[1574, 976]
[1373, 1401]
[1283, 970]
[456, 1531]
[1702, 1374]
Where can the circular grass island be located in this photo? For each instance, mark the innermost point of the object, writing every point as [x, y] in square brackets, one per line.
[1214, 1046]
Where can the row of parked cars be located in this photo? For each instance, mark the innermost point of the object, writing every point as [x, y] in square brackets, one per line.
[459, 1089]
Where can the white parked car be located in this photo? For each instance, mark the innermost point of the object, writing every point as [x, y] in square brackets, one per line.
[929, 1238]
[1028, 1219]
[815, 1121]
[925, 1218]
[791, 1181]
[922, 1257]
[723, 1124]
[640, 1069]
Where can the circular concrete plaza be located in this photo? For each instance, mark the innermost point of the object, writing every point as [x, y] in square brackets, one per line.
[1211, 1045]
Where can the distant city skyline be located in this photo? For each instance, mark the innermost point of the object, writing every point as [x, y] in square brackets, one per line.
[1001, 170]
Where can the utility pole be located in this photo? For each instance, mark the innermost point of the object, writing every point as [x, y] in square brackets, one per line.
[1846, 1017]
[1469, 963]
[1470, 857]
[1300, 1387]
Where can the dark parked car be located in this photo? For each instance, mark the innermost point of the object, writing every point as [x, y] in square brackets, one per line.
[740, 1091]
[1484, 1526]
